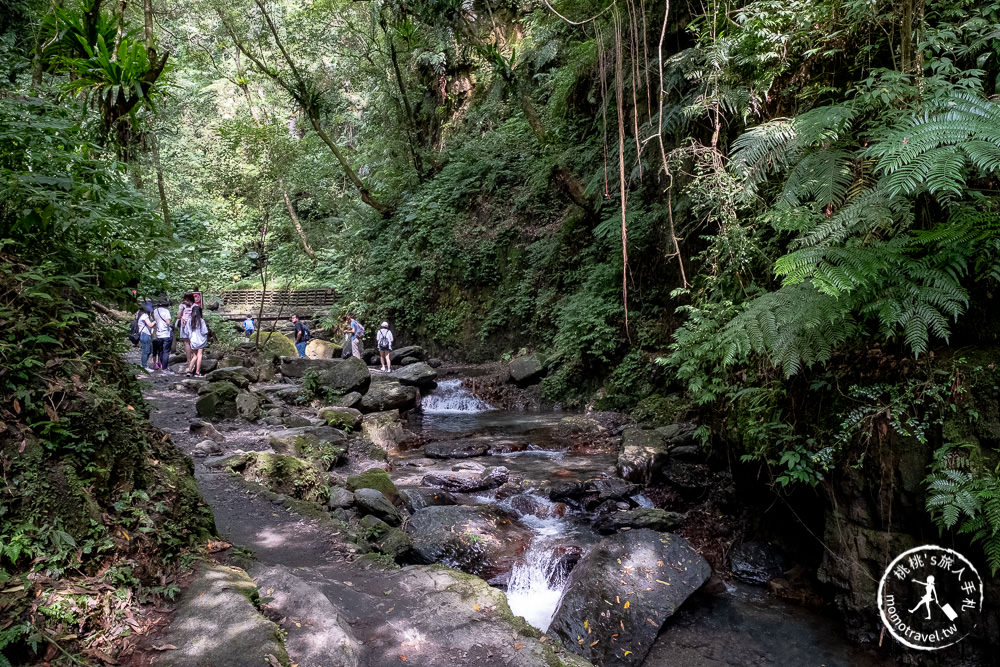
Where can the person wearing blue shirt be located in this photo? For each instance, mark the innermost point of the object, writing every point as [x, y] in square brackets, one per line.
[248, 327]
[357, 332]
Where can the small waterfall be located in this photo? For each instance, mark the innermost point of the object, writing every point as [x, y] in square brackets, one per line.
[450, 397]
[537, 582]
[536, 585]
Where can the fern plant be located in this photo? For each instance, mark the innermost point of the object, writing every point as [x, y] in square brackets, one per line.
[963, 491]
[860, 263]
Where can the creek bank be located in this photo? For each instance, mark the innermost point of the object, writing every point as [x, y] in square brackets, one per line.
[377, 611]
[365, 535]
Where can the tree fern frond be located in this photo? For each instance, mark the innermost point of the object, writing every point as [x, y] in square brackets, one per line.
[824, 176]
[931, 151]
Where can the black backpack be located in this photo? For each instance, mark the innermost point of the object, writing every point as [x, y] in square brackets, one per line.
[305, 333]
[133, 331]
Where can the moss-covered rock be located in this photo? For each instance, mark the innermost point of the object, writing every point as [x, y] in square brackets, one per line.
[374, 478]
[287, 475]
[346, 419]
[274, 345]
[323, 445]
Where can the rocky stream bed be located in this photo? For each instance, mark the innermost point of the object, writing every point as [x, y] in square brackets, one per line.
[323, 505]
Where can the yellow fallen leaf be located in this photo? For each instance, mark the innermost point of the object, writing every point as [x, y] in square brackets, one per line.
[126, 535]
[626, 604]
[595, 642]
[662, 582]
[586, 624]
[298, 625]
[519, 647]
[628, 652]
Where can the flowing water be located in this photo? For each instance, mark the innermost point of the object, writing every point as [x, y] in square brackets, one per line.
[704, 630]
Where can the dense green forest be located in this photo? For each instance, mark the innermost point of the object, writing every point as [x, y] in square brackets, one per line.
[778, 220]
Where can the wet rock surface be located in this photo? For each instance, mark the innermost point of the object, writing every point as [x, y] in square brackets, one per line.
[756, 562]
[481, 539]
[219, 598]
[621, 592]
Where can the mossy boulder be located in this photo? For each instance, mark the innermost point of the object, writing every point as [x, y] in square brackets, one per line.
[324, 446]
[218, 401]
[287, 475]
[659, 410]
[346, 376]
[374, 478]
[346, 419]
[527, 370]
[241, 376]
[274, 345]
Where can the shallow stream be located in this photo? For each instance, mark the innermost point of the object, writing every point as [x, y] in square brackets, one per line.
[743, 626]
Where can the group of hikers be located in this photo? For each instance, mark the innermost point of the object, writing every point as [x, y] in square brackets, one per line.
[354, 334]
[154, 326]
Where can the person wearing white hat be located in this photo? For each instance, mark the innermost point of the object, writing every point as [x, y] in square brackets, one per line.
[384, 340]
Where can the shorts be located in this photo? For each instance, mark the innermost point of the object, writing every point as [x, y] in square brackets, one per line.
[384, 348]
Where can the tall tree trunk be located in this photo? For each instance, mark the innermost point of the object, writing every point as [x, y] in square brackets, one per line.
[411, 123]
[295, 221]
[147, 10]
[295, 90]
[154, 149]
[566, 178]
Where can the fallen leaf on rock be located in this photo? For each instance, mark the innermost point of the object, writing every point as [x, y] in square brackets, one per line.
[164, 647]
[274, 661]
[213, 546]
[402, 657]
[519, 647]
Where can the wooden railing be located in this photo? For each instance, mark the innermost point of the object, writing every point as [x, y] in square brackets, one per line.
[279, 302]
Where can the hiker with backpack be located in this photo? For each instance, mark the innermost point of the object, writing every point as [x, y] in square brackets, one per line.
[198, 332]
[357, 332]
[163, 335]
[383, 340]
[141, 332]
[301, 335]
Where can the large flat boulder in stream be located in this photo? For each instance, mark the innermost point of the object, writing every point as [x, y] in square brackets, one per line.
[345, 376]
[296, 367]
[417, 375]
[217, 624]
[621, 592]
[483, 540]
[412, 351]
[436, 616]
[467, 481]
[389, 395]
[320, 634]
[456, 449]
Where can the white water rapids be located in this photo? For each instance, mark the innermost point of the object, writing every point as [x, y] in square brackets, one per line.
[537, 583]
[450, 397]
